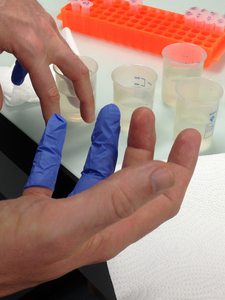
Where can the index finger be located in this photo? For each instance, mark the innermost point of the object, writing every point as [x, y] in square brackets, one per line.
[47, 158]
[74, 69]
[46, 89]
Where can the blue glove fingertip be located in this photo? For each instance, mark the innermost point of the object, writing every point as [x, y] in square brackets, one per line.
[103, 152]
[47, 159]
[102, 155]
[107, 122]
[18, 74]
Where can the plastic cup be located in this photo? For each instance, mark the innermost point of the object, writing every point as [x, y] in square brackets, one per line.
[181, 60]
[197, 104]
[69, 103]
[134, 86]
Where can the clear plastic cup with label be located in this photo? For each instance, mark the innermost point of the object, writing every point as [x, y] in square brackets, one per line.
[180, 60]
[69, 103]
[197, 105]
[133, 87]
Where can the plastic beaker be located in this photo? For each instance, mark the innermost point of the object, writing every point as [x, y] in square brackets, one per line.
[133, 87]
[180, 61]
[197, 104]
[69, 103]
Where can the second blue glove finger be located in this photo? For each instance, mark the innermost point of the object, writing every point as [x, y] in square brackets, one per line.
[102, 155]
[18, 74]
[47, 159]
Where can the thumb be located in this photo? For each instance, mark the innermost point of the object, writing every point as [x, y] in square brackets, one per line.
[118, 196]
[135, 186]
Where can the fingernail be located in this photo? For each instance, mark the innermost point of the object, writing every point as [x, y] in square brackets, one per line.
[162, 179]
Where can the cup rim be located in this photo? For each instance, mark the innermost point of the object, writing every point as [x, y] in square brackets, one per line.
[180, 63]
[139, 65]
[59, 72]
[207, 80]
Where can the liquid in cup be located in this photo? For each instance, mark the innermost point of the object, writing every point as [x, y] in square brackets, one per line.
[69, 103]
[133, 86]
[180, 60]
[197, 104]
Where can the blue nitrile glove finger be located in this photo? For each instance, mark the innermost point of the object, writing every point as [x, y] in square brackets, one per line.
[18, 74]
[102, 155]
[47, 159]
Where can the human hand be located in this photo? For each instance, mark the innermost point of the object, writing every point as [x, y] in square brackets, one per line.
[31, 34]
[42, 238]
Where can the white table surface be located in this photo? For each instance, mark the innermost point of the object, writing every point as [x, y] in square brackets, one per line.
[29, 119]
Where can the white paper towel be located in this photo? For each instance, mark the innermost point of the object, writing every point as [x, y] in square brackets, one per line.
[68, 36]
[16, 95]
[185, 257]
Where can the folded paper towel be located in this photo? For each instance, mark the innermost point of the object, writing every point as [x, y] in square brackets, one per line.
[16, 95]
[185, 257]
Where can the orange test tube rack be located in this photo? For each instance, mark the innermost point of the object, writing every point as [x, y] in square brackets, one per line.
[150, 29]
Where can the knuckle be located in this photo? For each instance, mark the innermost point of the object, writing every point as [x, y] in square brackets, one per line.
[52, 94]
[174, 208]
[50, 21]
[98, 246]
[84, 70]
[81, 68]
[47, 22]
[34, 46]
[122, 203]
[35, 42]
